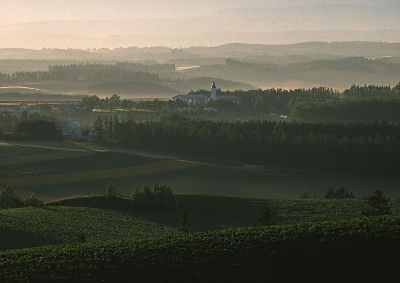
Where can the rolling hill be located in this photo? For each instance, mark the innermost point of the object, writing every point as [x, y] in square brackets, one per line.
[362, 249]
[32, 227]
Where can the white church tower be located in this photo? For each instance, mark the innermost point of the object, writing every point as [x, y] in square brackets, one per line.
[214, 94]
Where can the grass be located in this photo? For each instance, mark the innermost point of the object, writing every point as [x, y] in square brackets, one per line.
[342, 251]
[220, 212]
[20, 153]
[87, 162]
[111, 173]
[37, 166]
[29, 227]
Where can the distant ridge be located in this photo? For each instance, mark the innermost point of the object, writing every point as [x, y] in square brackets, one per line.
[340, 49]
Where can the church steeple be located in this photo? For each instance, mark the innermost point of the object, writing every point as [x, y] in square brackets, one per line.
[214, 94]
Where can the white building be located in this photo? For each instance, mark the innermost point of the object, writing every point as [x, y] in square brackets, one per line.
[202, 99]
[71, 129]
[192, 99]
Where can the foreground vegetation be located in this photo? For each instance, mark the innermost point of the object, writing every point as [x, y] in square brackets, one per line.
[114, 217]
[53, 225]
[353, 250]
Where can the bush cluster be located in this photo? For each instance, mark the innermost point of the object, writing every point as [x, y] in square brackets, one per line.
[340, 193]
[9, 199]
[160, 197]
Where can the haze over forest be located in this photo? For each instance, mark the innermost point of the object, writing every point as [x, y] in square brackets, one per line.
[176, 23]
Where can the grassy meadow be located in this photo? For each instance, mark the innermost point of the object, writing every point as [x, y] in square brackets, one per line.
[53, 170]
[58, 223]
[29, 227]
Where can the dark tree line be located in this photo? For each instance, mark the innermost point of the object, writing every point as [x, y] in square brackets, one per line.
[303, 104]
[314, 102]
[37, 130]
[94, 72]
[348, 109]
[369, 148]
[10, 199]
[115, 101]
[24, 126]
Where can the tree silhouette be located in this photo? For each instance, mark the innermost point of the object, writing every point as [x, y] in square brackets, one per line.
[183, 221]
[266, 217]
[111, 191]
[9, 199]
[378, 204]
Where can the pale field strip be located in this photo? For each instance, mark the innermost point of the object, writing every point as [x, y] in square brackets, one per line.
[73, 177]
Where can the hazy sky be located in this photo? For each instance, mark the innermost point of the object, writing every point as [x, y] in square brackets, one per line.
[12, 11]
[35, 10]
[193, 22]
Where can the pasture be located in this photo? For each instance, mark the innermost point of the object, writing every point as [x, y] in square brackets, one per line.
[53, 170]
[29, 227]
[51, 224]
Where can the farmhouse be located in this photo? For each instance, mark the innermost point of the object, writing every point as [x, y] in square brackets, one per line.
[13, 107]
[196, 99]
[71, 129]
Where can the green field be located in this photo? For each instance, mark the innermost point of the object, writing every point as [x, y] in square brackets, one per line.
[27, 152]
[356, 250]
[42, 161]
[49, 225]
[29, 227]
[45, 244]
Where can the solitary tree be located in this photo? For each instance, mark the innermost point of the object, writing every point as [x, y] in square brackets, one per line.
[265, 217]
[378, 204]
[183, 221]
[111, 191]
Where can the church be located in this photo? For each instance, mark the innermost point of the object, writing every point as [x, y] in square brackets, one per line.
[203, 99]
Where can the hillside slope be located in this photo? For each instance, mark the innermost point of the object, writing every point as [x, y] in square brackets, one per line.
[354, 251]
[31, 227]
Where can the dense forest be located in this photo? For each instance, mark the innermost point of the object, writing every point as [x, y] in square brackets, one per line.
[370, 148]
[374, 109]
[93, 72]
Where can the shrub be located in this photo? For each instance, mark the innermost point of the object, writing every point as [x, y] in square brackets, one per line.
[266, 217]
[341, 193]
[38, 130]
[111, 191]
[183, 223]
[304, 195]
[159, 197]
[33, 201]
[9, 199]
[378, 204]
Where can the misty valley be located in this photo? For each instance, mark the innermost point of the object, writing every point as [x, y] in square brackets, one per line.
[183, 141]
